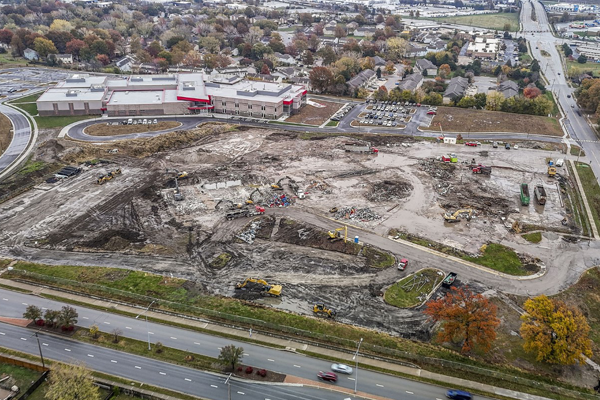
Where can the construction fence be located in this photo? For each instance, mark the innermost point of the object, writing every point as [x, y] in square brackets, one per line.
[194, 312]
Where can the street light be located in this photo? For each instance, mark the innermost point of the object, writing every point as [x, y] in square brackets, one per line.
[356, 367]
[40, 347]
[147, 328]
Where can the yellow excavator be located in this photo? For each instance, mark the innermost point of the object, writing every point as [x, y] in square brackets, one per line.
[456, 216]
[279, 184]
[227, 204]
[250, 199]
[322, 309]
[105, 178]
[336, 234]
[265, 288]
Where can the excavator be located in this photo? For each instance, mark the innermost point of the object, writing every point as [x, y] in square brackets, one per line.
[265, 288]
[178, 175]
[456, 216]
[250, 199]
[322, 309]
[228, 205]
[279, 184]
[336, 234]
[105, 178]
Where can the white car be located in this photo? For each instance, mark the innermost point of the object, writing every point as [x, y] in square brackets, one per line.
[560, 162]
[341, 368]
[155, 121]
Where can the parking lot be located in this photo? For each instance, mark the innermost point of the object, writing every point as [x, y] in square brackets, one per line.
[393, 114]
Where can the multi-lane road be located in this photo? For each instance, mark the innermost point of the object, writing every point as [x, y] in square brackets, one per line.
[13, 304]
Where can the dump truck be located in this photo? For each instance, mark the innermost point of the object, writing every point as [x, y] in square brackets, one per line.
[524, 194]
[482, 169]
[261, 286]
[244, 212]
[360, 148]
[540, 194]
[449, 279]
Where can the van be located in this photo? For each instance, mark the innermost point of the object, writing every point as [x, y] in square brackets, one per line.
[129, 121]
[560, 162]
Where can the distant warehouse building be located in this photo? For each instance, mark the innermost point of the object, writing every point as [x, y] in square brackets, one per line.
[183, 93]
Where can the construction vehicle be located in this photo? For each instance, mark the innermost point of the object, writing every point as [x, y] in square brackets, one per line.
[260, 285]
[244, 212]
[524, 194]
[455, 217]
[107, 177]
[322, 309]
[540, 194]
[178, 175]
[228, 205]
[279, 184]
[450, 158]
[551, 170]
[336, 234]
[516, 227]
[482, 169]
[360, 148]
[449, 279]
[177, 195]
[250, 199]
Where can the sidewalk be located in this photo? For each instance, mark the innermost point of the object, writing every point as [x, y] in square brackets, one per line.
[289, 345]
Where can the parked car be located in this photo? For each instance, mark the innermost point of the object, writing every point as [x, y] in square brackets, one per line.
[327, 376]
[403, 264]
[507, 146]
[341, 368]
[458, 395]
[431, 112]
[472, 144]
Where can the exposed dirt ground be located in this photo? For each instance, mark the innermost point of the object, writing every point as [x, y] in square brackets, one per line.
[315, 115]
[111, 130]
[454, 119]
[402, 187]
[5, 133]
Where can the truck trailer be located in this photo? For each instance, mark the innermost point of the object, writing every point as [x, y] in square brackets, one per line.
[540, 194]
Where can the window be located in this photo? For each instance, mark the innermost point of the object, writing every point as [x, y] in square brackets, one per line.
[249, 106]
[237, 105]
[223, 103]
[262, 108]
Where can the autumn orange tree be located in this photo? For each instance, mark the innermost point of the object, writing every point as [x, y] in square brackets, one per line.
[466, 317]
[557, 333]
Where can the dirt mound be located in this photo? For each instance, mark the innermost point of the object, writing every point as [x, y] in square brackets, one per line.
[296, 233]
[389, 191]
[104, 130]
[49, 151]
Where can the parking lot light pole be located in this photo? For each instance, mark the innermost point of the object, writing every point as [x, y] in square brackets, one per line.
[356, 366]
[147, 328]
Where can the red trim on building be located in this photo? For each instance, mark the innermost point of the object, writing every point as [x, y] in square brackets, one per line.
[191, 99]
[103, 109]
[201, 108]
[304, 92]
[288, 102]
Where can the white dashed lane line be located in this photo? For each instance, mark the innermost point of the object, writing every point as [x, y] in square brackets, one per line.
[84, 317]
[23, 338]
[241, 393]
[127, 327]
[188, 379]
[25, 304]
[67, 349]
[197, 343]
[150, 333]
[174, 338]
[269, 359]
[377, 384]
[297, 366]
[409, 392]
[91, 355]
[107, 323]
[113, 361]
[215, 386]
[4, 299]
[162, 373]
[44, 344]
[138, 367]
[2, 333]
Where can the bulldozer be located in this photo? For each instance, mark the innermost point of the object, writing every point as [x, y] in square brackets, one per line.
[336, 234]
[322, 309]
[455, 217]
[551, 170]
[262, 285]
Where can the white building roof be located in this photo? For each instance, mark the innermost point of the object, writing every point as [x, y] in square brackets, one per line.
[137, 97]
[81, 81]
[76, 94]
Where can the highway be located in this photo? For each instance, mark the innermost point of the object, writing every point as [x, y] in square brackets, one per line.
[13, 304]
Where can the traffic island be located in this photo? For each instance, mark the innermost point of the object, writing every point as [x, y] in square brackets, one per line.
[415, 289]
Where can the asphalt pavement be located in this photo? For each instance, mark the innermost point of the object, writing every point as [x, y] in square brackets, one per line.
[20, 139]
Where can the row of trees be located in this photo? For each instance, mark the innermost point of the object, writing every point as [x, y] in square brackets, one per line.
[553, 331]
[66, 317]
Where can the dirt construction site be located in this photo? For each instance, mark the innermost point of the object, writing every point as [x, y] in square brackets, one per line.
[171, 201]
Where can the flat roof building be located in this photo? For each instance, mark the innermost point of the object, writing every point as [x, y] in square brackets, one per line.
[181, 93]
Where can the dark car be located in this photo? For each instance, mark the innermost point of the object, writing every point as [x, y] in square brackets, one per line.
[568, 96]
[458, 395]
[327, 376]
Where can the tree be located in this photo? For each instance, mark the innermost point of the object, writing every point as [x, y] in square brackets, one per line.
[555, 332]
[265, 70]
[308, 58]
[33, 313]
[75, 46]
[230, 356]
[51, 317]
[531, 92]
[71, 382]
[61, 25]
[44, 47]
[328, 55]
[494, 101]
[467, 102]
[396, 48]
[68, 316]
[444, 70]
[306, 19]
[320, 78]
[6, 36]
[116, 333]
[94, 331]
[103, 59]
[582, 59]
[339, 32]
[466, 317]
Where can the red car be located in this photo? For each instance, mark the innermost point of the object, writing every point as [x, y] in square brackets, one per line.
[473, 144]
[430, 112]
[327, 376]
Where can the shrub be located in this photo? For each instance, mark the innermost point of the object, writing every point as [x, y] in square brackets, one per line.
[40, 322]
[249, 370]
[261, 372]
[240, 369]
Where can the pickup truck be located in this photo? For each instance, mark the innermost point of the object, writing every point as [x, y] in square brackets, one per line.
[449, 279]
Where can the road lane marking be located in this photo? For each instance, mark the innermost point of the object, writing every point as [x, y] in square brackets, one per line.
[187, 379]
[107, 323]
[2, 333]
[162, 373]
[197, 343]
[241, 393]
[297, 366]
[268, 359]
[127, 327]
[91, 355]
[138, 367]
[351, 378]
[113, 361]
[85, 317]
[409, 392]
[379, 385]
[218, 348]
[246, 354]
[215, 386]
[44, 308]
[44, 344]
[4, 299]
[67, 350]
[25, 304]
[23, 338]
[150, 333]
[174, 338]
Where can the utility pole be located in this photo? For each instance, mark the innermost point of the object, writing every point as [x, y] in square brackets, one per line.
[228, 386]
[147, 328]
[356, 367]
[40, 347]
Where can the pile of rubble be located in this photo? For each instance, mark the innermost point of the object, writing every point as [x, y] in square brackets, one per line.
[437, 169]
[359, 214]
[249, 234]
[278, 201]
[389, 190]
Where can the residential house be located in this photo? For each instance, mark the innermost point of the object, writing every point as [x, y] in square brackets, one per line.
[66, 59]
[329, 28]
[364, 31]
[362, 79]
[508, 89]
[414, 51]
[287, 72]
[456, 88]
[380, 26]
[412, 82]
[351, 27]
[435, 46]
[285, 59]
[125, 64]
[379, 62]
[426, 67]
[31, 55]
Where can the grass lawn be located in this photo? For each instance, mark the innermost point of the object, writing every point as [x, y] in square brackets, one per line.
[549, 96]
[413, 289]
[377, 258]
[8, 61]
[27, 99]
[59, 122]
[500, 258]
[534, 237]
[489, 21]
[332, 123]
[589, 67]
[525, 58]
[23, 377]
[575, 151]
[32, 166]
[591, 189]
[40, 392]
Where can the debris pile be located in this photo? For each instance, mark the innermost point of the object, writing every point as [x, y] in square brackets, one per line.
[389, 191]
[359, 214]
[249, 234]
[437, 169]
[278, 201]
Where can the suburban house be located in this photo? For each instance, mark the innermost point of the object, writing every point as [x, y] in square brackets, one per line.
[31, 55]
[364, 31]
[362, 79]
[125, 64]
[351, 27]
[426, 67]
[329, 29]
[284, 59]
[414, 51]
[412, 82]
[379, 62]
[64, 58]
[456, 88]
[508, 89]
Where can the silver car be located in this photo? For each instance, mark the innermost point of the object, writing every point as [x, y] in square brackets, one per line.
[341, 368]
